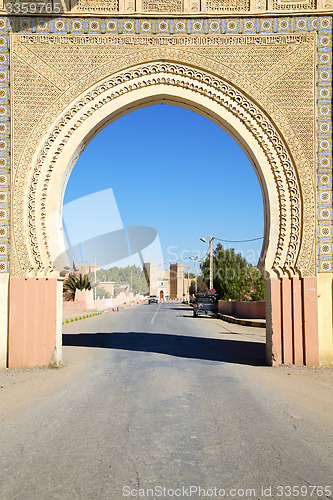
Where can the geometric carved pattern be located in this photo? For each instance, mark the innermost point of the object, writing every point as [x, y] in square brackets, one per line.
[166, 73]
[279, 26]
[225, 5]
[294, 5]
[162, 5]
[100, 6]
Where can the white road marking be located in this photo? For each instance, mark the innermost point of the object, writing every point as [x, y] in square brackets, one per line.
[153, 318]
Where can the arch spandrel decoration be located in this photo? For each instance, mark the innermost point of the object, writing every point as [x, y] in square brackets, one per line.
[262, 85]
[235, 106]
[294, 253]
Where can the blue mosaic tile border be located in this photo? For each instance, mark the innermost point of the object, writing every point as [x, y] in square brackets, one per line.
[4, 147]
[167, 26]
[324, 145]
[322, 25]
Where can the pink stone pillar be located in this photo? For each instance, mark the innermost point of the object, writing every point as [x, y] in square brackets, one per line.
[287, 321]
[35, 317]
[273, 322]
[292, 321]
[311, 341]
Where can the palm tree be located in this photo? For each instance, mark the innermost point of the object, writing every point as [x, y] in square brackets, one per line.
[74, 283]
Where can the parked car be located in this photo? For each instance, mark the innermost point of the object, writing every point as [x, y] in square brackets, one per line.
[205, 305]
[152, 299]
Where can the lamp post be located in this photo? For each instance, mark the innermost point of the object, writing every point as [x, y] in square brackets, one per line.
[196, 274]
[210, 260]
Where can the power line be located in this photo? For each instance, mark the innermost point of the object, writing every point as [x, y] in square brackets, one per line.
[238, 241]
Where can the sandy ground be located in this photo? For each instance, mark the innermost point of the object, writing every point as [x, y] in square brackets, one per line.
[20, 388]
[309, 389]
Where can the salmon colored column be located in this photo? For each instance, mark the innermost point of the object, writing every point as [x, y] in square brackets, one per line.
[297, 319]
[4, 293]
[311, 340]
[33, 322]
[287, 321]
[325, 318]
[292, 321]
[273, 322]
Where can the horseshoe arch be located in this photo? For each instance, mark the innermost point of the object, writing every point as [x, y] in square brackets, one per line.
[285, 254]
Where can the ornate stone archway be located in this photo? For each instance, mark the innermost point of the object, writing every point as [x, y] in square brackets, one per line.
[254, 102]
[283, 253]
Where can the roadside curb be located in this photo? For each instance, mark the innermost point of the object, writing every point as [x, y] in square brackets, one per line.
[90, 315]
[77, 318]
[243, 322]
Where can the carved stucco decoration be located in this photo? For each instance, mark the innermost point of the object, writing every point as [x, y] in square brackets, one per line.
[288, 149]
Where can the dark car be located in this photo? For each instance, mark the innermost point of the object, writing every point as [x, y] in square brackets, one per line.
[205, 305]
[152, 299]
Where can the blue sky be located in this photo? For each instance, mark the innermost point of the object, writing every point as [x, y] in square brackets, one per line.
[179, 173]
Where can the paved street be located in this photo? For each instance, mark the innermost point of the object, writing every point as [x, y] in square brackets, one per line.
[151, 397]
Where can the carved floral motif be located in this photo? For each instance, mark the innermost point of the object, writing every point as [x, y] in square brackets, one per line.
[72, 87]
[215, 89]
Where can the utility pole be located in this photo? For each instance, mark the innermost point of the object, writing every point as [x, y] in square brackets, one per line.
[188, 284]
[196, 274]
[211, 238]
[211, 262]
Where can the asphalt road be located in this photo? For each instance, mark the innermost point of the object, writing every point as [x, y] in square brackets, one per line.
[159, 405]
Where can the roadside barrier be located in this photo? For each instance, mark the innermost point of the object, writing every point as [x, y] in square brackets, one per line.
[244, 322]
[85, 316]
[77, 318]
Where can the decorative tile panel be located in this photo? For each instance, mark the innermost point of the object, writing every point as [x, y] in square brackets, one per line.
[324, 144]
[4, 148]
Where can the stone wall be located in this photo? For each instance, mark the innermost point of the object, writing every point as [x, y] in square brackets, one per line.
[251, 310]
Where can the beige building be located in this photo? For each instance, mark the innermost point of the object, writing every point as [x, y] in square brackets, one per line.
[108, 287]
[167, 284]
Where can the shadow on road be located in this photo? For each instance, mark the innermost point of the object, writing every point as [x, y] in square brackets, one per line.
[227, 351]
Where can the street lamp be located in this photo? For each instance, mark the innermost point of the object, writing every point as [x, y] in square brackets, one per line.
[211, 238]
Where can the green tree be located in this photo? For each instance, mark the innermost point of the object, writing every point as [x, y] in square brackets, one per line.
[255, 283]
[202, 285]
[101, 293]
[192, 287]
[125, 275]
[234, 278]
